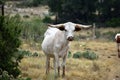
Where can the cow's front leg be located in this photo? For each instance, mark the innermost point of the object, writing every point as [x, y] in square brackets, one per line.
[118, 54]
[118, 50]
[47, 64]
[59, 71]
[63, 65]
[56, 66]
[118, 44]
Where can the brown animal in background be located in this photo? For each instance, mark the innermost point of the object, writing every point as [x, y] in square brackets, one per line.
[117, 38]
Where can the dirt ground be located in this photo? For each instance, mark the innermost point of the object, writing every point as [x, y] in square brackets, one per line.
[106, 67]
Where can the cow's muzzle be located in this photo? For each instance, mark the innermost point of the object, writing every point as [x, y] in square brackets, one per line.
[70, 38]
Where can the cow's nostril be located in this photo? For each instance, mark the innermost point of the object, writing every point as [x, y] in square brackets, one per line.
[70, 38]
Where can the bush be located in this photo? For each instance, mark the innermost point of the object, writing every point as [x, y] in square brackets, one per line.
[27, 53]
[28, 79]
[69, 54]
[98, 34]
[5, 76]
[114, 22]
[33, 30]
[47, 19]
[77, 55]
[110, 35]
[9, 43]
[24, 53]
[31, 3]
[90, 55]
[19, 56]
[86, 54]
[26, 16]
[35, 54]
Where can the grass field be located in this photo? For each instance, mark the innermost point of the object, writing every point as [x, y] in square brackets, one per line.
[106, 67]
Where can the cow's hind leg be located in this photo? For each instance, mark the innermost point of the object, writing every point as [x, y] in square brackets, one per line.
[59, 71]
[118, 50]
[63, 66]
[47, 64]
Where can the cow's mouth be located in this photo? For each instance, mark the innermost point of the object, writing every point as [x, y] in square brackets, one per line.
[70, 38]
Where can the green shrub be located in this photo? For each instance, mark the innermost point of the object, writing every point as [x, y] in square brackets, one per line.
[19, 55]
[47, 19]
[110, 35]
[5, 76]
[26, 16]
[9, 43]
[24, 53]
[69, 54]
[35, 54]
[114, 22]
[31, 3]
[98, 34]
[86, 54]
[90, 55]
[28, 79]
[77, 55]
[33, 30]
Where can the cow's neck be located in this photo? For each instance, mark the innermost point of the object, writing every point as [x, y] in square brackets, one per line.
[65, 38]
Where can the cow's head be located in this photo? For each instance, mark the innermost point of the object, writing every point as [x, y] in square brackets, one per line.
[69, 28]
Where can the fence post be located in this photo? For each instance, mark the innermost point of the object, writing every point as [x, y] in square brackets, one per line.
[2, 9]
[2, 13]
[94, 30]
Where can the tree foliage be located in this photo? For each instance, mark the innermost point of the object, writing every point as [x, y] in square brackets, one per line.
[9, 43]
[32, 3]
[73, 10]
[85, 11]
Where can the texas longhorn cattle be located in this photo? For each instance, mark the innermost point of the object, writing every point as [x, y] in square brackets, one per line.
[56, 44]
[117, 38]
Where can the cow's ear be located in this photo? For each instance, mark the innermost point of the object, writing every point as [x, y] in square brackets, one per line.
[77, 28]
[61, 28]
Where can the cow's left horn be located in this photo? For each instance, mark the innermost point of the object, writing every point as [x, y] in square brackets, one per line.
[59, 26]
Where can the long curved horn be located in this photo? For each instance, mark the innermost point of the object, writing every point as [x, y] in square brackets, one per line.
[83, 26]
[59, 26]
[80, 26]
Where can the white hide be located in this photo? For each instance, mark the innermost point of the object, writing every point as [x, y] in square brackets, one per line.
[118, 34]
[54, 42]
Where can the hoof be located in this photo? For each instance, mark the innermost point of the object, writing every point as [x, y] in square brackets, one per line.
[118, 56]
[57, 76]
[63, 76]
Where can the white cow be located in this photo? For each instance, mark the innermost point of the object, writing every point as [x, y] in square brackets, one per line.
[55, 43]
[117, 38]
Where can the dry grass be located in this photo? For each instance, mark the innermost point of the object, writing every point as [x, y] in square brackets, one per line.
[105, 68]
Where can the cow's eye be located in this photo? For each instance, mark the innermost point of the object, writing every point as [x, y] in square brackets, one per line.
[65, 30]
